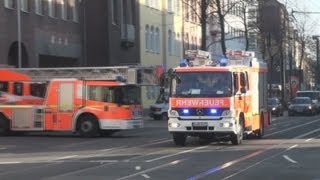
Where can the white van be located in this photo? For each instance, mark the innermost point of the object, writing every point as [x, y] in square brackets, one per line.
[314, 95]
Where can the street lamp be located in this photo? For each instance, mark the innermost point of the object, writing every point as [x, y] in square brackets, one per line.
[316, 38]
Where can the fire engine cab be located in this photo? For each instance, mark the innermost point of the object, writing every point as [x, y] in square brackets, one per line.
[87, 101]
[218, 101]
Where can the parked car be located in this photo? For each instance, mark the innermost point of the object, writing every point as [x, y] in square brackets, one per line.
[159, 110]
[275, 106]
[302, 105]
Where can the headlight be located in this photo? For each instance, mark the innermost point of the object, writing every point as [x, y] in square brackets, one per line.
[173, 113]
[226, 113]
[174, 125]
[310, 107]
[226, 125]
[273, 109]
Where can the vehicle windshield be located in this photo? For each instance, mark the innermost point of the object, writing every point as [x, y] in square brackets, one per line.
[124, 95]
[203, 84]
[301, 101]
[312, 95]
[272, 102]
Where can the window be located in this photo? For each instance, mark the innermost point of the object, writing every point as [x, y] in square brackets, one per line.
[114, 11]
[18, 88]
[3, 86]
[147, 37]
[170, 42]
[52, 8]
[173, 43]
[152, 39]
[74, 10]
[64, 9]
[178, 7]
[157, 40]
[178, 44]
[24, 5]
[170, 6]
[39, 7]
[9, 3]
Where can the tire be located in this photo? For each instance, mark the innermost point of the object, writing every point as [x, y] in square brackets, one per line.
[88, 126]
[260, 133]
[4, 126]
[179, 139]
[236, 139]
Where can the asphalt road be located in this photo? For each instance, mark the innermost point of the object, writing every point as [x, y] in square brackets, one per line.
[289, 150]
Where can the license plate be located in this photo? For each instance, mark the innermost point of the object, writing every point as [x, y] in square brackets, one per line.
[200, 124]
[299, 110]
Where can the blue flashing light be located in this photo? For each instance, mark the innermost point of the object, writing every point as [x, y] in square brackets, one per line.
[213, 111]
[184, 63]
[185, 111]
[223, 61]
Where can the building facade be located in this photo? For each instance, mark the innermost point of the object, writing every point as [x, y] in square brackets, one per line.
[111, 32]
[49, 32]
[160, 38]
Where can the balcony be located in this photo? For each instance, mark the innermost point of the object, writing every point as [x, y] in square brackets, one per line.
[127, 35]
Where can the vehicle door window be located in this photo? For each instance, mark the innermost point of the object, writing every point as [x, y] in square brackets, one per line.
[18, 88]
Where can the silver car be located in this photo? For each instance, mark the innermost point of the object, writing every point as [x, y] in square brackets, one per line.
[302, 105]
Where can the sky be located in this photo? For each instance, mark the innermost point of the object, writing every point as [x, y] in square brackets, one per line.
[311, 19]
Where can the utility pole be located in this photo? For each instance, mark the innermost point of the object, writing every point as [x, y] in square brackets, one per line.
[316, 38]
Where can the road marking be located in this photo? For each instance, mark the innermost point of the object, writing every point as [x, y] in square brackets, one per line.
[306, 134]
[66, 157]
[110, 149]
[230, 163]
[13, 162]
[307, 140]
[170, 155]
[3, 148]
[289, 159]
[104, 161]
[138, 168]
[145, 176]
[291, 147]
[225, 165]
[152, 169]
[288, 129]
[158, 140]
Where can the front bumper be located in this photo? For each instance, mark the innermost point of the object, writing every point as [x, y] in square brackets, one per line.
[224, 126]
[121, 124]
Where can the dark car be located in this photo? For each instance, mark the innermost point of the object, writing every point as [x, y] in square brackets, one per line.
[275, 106]
[302, 105]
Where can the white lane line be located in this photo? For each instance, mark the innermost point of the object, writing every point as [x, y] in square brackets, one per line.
[13, 162]
[306, 134]
[152, 169]
[145, 176]
[178, 153]
[110, 149]
[66, 157]
[3, 148]
[288, 129]
[289, 159]
[158, 140]
[307, 140]
[293, 146]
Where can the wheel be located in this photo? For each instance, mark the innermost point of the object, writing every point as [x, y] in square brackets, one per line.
[260, 133]
[88, 126]
[4, 126]
[179, 139]
[236, 139]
